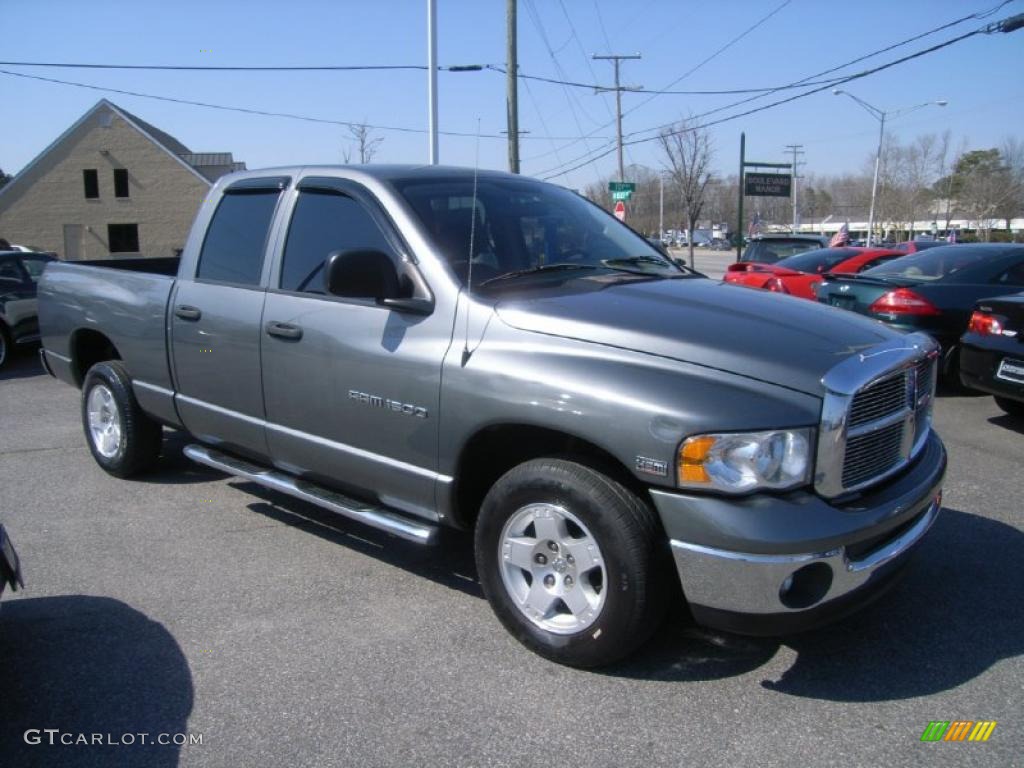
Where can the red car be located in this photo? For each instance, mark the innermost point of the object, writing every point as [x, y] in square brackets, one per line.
[799, 274]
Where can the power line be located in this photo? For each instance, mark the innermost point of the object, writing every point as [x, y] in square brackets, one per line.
[763, 107]
[535, 18]
[205, 68]
[709, 92]
[810, 79]
[686, 74]
[265, 113]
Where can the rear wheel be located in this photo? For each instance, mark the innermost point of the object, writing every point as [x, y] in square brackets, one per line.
[123, 440]
[1012, 407]
[571, 562]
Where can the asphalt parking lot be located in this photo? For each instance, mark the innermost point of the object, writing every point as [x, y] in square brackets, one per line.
[187, 601]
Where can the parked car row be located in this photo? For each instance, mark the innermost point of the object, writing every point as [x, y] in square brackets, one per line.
[992, 352]
[19, 322]
[961, 295]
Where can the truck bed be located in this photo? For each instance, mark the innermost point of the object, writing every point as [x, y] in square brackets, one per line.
[125, 299]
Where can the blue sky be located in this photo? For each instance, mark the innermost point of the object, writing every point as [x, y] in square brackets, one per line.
[981, 76]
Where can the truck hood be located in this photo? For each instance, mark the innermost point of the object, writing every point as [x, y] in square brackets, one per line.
[762, 335]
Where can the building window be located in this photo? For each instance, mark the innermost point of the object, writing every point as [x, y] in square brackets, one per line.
[123, 238]
[120, 182]
[91, 180]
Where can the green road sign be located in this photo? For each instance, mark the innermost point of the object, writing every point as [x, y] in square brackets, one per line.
[621, 194]
[621, 186]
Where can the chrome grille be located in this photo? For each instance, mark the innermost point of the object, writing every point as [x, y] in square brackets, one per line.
[926, 378]
[876, 414]
[879, 400]
[872, 454]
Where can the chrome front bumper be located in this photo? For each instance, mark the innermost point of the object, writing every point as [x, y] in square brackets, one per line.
[770, 584]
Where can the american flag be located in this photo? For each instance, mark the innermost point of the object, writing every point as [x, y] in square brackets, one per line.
[755, 225]
[840, 238]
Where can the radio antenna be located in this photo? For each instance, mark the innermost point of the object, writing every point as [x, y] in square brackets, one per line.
[472, 240]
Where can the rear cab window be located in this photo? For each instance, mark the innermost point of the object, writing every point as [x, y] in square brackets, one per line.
[236, 238]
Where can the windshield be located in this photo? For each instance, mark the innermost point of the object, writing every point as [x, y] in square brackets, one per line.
[932, 264]
[817, 261]
[522, 227]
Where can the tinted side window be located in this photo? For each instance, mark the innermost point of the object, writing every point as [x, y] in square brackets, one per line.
[35, 265]
[324, 222]
[237, 238]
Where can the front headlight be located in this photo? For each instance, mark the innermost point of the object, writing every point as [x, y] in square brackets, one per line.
[740, 462]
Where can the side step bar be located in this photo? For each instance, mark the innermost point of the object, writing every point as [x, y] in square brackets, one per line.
[376, 517]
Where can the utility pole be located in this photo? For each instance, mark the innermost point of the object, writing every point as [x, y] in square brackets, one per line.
[512, 64]
[796, 149]
[615, 59]
[432, 78]
[739, 224]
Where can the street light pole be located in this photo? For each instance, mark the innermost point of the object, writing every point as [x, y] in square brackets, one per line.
[432, 78]
[661, 206]
[874, 183]
[880, 116]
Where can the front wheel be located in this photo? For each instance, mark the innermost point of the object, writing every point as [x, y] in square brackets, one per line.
[571, 562]
[123, 440]
[1011, 407]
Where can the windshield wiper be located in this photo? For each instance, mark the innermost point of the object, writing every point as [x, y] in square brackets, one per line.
[637, 260]
[536, 270]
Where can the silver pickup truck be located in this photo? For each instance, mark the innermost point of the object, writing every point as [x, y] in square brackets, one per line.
[423, 347]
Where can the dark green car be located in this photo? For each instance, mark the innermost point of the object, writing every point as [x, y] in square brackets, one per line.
[932, 291]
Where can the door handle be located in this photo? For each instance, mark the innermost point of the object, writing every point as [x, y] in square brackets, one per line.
[284, 330]
[186, 312]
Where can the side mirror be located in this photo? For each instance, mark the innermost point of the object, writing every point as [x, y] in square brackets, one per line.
[362, 274]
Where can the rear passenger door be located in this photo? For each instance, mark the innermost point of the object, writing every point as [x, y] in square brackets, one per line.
[216, 318]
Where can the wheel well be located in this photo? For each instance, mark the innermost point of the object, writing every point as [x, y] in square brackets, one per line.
[493, 451]
[89, 347]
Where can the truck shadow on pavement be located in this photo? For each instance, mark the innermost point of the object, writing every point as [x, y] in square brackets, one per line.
[450, 562]
[948, 620]
[89, 665]
[22, 364]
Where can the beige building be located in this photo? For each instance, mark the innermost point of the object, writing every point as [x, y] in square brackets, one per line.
[110, 186]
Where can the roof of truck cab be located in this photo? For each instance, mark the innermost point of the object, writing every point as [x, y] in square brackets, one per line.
[387, 172]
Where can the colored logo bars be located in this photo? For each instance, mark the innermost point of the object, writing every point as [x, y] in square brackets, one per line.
[958, 730]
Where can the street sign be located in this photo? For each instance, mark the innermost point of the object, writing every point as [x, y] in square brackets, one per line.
[622, 194]
[620, 211]
[621, 186]
[767, 184]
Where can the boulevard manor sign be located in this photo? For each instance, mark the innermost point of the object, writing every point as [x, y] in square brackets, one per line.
[767, 184]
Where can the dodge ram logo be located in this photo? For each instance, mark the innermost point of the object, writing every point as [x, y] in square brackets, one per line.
[376, 401]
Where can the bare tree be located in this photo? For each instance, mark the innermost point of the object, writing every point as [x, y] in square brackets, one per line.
[364, 144]
[688, 153]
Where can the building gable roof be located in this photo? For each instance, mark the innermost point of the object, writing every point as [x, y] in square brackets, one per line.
[163, 140]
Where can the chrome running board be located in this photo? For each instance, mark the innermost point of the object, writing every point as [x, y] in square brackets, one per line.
[377, 517]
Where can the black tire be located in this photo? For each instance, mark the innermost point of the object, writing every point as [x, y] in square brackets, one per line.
[1013, 408]
[949, 374]
[138, 446]
[6, 347]
[632, 548]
